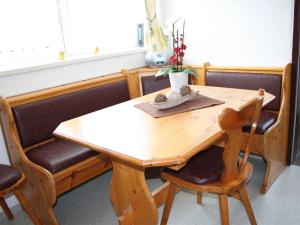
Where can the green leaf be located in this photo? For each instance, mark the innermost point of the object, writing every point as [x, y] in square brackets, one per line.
[160, 73]
[164, 71]
[191, 71]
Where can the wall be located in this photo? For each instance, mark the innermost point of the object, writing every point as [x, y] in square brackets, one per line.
[235, 32]
[13, 83]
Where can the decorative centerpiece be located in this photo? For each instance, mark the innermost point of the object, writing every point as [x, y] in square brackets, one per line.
[160, 98]
[161, 101]
[177, 74]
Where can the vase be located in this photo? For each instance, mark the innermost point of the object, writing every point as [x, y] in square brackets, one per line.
[177, 80]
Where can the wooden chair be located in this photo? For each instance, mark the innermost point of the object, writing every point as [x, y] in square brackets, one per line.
[11, 180]
[217, 170]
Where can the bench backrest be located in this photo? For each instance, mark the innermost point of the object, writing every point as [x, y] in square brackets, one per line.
[150, 84]
[37, 120]
[252, 81]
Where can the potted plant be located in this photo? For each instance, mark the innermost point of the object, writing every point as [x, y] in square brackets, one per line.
[177, 74]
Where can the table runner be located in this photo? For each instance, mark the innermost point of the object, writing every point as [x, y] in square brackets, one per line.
[200, 101]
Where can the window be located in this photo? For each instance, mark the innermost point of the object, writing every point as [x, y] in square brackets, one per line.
[36, 30]
[29, 31]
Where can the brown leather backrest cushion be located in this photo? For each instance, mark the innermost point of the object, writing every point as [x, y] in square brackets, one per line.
[36, 121]
[152, 84]
[270, 82]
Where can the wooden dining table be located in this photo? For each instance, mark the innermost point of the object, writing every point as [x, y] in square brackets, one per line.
[135, 140]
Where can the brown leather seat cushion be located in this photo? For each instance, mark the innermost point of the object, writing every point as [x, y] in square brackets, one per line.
[266, 120]
[59, 154]
[8, 176]
[37, 120]
[270, 82]
[204, 168]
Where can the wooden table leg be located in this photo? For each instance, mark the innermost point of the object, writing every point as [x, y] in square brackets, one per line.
[130, 196]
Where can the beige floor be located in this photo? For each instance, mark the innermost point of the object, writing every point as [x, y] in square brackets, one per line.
[90, 205]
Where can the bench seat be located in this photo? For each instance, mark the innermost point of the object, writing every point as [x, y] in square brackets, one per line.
[8, 176]
[59, 154]
[266, 120]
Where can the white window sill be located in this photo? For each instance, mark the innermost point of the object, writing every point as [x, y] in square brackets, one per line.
[48, 64]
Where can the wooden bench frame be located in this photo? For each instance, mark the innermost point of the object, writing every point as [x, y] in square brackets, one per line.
[273, 144]
[42, 188]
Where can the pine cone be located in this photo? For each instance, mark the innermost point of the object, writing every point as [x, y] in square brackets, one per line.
[160, 98]
[185, 90]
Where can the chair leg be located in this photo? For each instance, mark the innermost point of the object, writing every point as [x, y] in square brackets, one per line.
[246, 202]
[168, 205]
[224, 209]
[26, 206]
[199, 197]
[5, 208]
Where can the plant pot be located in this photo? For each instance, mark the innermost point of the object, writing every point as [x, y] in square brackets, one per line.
[177, 80]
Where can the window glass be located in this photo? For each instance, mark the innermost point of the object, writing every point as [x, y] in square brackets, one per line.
[29, 31]
[34, 30]
[109, 25]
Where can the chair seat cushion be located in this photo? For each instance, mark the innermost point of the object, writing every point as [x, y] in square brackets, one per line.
[204, 168]
[8, 176]
[266, 120]
[59, 154]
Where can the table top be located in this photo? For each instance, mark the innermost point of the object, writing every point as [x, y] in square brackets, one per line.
[128, 133]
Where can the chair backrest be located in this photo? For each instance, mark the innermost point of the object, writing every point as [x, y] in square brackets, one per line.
[232, 121]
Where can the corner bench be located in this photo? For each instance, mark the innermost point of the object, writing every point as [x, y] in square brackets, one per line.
[53, 166]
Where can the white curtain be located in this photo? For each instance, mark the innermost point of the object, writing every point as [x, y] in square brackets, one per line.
[155, 39]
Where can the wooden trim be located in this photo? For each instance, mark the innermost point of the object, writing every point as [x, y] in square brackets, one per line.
[38, 144]
[133, 83]
[79, 173]
[259, 70]
[200, 80]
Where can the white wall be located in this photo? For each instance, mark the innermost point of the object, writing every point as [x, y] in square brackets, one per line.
[14, 83]
[235, 32]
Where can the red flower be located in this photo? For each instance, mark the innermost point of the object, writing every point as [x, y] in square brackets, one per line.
[173, 59]
[176, 50]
